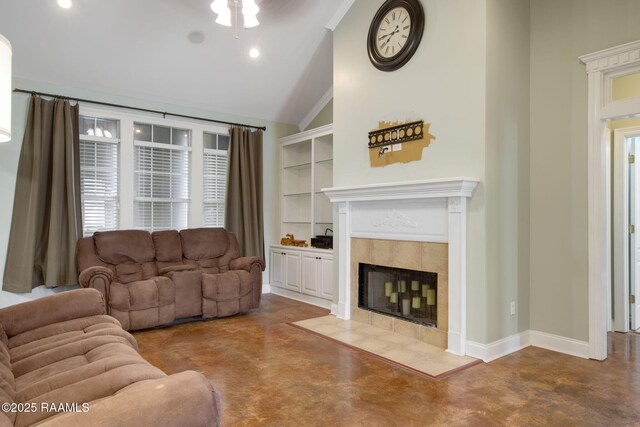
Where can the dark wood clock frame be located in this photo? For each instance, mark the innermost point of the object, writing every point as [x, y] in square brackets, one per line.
[416, 13]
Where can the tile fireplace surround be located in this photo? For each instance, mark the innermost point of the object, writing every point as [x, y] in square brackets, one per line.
[384, 221]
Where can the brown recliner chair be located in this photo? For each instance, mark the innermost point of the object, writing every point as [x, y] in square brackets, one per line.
[152, 279]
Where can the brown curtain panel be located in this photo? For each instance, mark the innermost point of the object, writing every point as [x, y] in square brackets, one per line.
[47, 217]
[243, 213]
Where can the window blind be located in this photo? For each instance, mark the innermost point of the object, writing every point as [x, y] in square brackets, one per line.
[99, 184]
[215, 187]
[161, 184]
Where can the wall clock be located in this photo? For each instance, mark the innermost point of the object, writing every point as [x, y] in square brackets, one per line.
[395, 33]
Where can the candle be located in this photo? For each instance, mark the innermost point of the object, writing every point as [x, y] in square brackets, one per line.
[431, 297]
[425, 288]
[415, 302]
[387, 288]
[415, 285]
[405, 306]
[393, 298]
[402, 286]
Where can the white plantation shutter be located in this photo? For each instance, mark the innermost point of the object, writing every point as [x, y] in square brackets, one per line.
[99, 184]
[215, 187]
[161, 186]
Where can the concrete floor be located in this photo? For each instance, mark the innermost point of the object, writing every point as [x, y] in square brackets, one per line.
[270, 373]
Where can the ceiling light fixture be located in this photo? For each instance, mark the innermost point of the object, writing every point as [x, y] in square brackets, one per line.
[5, 89]
[249, 12]
[254, 52]
[65, 4]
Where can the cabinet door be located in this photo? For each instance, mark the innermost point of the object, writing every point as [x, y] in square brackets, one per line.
[292, 276]
[310, 274]
[276, 268]
[325, 279]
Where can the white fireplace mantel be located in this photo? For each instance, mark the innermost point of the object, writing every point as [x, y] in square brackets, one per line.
[432, 210]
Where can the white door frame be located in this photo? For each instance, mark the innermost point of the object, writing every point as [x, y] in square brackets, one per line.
[601, 67]
[621, 223]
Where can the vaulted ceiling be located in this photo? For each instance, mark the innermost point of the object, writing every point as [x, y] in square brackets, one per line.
[142, 49]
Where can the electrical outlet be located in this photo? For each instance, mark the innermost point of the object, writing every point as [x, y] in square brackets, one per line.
[513, 308]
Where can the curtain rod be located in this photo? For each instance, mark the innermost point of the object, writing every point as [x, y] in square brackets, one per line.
[164, 113]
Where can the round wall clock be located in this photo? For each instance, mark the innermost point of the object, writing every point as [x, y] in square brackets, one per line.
[395, 33]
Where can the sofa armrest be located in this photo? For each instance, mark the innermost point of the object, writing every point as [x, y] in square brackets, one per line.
[89, 276]
[61, 307]
[178, 268]
[186, 398]
[97, 277]
[246, 263]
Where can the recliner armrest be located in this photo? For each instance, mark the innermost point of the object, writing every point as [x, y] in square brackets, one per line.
[246, 263]
[89, 276]
[61, 307]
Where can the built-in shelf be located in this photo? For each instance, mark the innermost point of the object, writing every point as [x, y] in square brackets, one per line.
[298, 166]
[307, 160]
[297, 194]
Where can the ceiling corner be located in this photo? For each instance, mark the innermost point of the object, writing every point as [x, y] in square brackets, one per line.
[340, 13]
[322, 102]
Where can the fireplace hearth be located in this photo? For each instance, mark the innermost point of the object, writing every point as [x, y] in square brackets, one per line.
[419, 225]
[406, 294]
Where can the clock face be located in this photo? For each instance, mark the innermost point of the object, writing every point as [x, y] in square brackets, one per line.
[393, 32]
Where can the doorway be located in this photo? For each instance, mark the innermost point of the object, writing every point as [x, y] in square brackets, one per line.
[625, 313]
[602, 68]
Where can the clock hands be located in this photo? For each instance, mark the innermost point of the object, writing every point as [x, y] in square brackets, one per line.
[397, 30]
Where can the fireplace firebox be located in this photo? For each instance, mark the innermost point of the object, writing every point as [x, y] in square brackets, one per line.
[407, 294]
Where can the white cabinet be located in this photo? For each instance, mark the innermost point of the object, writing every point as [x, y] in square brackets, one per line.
[307, 168]
[276, 268]
[292, 266]
[317, 275]
[305, 274]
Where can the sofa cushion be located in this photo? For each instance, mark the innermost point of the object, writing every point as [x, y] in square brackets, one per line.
[226, 294]
[63, 338]
[142, 294]
[7, 381]
[131, 271]
[124, 246]
[204, 243]
[168, 246]
[80, 372]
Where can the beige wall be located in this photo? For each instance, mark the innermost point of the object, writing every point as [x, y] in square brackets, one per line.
[560, 32]
[10, 152]
[444, 84]
[324, 117]
[625, 87]
[507, 167]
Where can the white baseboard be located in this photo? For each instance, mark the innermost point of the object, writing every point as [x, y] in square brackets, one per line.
[500, 348]
[513, 343]
[334, 309]
[266, 288]
[301, 297]
[560, 344]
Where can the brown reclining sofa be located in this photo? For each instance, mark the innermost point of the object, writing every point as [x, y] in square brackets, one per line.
[64, 362]
[152, 279]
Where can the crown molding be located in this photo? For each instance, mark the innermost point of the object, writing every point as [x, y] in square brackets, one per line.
[340, 13]
[616, 57]
[322, 102]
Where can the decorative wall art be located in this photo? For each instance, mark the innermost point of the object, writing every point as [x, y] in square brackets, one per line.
[395, 142]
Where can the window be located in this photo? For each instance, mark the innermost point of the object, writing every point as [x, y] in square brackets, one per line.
[162, 164]
[99, 154]
[216, 148]
[150, 173]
